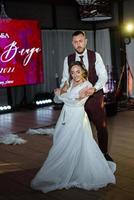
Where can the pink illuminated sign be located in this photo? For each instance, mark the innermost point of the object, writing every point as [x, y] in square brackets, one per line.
[20, 53]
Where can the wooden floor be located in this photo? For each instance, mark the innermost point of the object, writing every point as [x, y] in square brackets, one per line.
[19, 163]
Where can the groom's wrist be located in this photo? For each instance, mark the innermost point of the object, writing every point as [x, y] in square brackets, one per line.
[94, 89]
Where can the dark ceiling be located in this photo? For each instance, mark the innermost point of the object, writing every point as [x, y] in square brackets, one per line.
[56, 1]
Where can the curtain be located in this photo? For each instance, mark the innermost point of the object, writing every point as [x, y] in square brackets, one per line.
[130, 68]
[3, 97]
[103, 46]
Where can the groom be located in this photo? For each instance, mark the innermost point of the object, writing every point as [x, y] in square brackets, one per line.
[97, 75]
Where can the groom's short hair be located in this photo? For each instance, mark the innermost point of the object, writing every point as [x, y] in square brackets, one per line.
[76, 33]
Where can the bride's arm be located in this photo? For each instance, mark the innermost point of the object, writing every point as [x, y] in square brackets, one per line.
[77, 99]
[87, 91]
[59, 92]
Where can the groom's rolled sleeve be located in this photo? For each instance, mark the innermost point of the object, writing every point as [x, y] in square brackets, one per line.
[65, 75]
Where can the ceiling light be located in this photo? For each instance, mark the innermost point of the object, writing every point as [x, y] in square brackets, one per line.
[94, 10]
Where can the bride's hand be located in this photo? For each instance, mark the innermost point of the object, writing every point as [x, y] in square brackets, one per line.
[57, 91]
[65, 87]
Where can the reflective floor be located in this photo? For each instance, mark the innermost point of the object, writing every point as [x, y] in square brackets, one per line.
[19, 163]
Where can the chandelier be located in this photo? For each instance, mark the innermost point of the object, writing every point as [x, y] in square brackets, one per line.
[85, 2]
[3, 14]
[95, 10]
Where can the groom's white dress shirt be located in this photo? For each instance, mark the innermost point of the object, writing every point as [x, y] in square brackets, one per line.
[99, 66]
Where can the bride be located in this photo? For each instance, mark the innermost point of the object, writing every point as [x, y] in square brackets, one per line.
[74, 159]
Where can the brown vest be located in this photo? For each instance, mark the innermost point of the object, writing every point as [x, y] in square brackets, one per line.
[92, 76]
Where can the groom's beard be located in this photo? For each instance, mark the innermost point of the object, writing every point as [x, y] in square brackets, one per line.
[80, 50]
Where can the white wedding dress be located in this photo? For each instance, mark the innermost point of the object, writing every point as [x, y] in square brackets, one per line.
[74, 159]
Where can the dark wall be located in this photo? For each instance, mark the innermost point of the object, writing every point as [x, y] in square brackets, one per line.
[64, 14]
[58, 14]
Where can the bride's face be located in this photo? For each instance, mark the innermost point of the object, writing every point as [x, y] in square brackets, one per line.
[77, 73]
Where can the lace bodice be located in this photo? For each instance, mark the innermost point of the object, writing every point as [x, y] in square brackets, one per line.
[71, 96]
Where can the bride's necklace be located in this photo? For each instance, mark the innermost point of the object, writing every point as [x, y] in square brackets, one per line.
[77, 83]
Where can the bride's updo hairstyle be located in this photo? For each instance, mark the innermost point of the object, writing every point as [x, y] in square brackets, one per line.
[81, 65]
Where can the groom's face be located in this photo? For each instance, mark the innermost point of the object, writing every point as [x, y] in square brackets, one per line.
[79, 43]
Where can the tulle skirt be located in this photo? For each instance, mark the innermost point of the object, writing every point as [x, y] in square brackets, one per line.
[75, 159]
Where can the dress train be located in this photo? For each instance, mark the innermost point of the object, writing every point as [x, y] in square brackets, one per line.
[74, 159]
